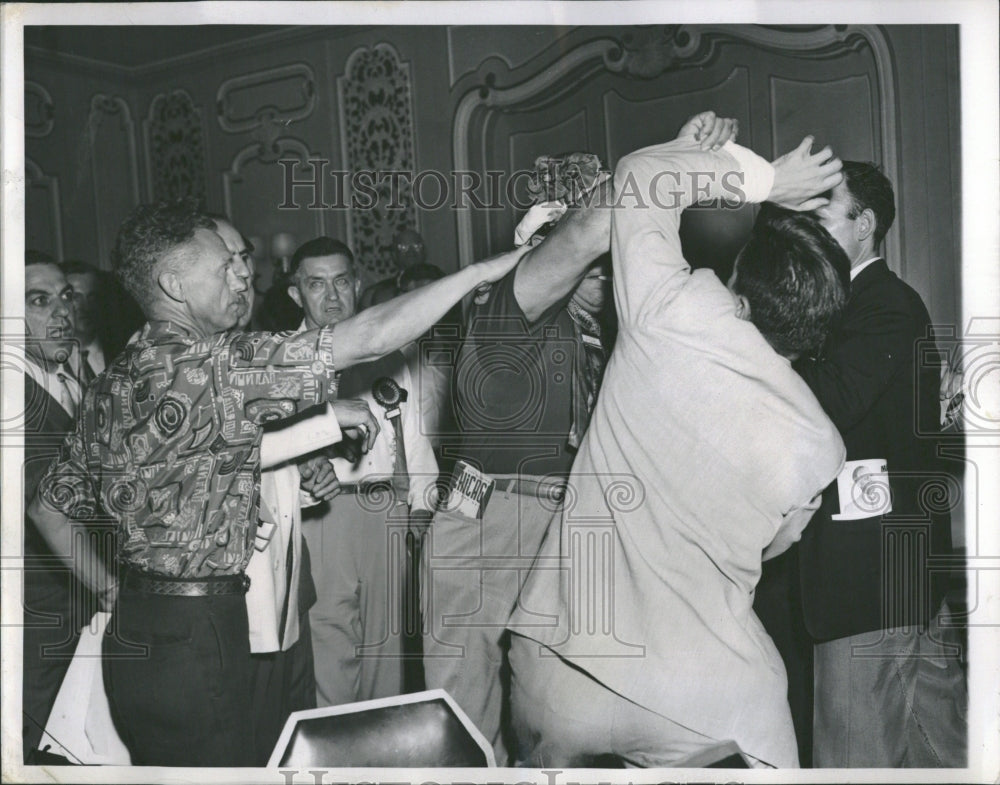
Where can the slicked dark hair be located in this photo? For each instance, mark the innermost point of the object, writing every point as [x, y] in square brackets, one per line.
[146, 235]
[871, 190]
[319, 246]
[795, 277]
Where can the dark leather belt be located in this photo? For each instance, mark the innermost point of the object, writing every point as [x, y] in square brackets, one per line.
[376, 486]
[148, 583]
[543, 487]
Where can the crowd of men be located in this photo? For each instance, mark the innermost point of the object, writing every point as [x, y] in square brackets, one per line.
[582, 578]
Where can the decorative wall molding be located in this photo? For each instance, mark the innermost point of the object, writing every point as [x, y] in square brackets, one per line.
[284, 147]
[39, 110]
[580, 62]
[293, 84]
[174, 147]
[34, 178]
[103, 108]
[376, 130]
[212, 54]
[650, 52]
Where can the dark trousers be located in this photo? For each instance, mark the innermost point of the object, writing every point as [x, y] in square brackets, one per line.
[178, 676]
[50, 638]
[283, 682]
[777, 603]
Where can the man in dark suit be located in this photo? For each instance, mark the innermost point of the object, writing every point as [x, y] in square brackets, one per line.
[51, 396]
[93, 309]
[889, 689]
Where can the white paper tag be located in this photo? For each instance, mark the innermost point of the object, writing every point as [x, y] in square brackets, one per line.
[863, 490]
[262, 538]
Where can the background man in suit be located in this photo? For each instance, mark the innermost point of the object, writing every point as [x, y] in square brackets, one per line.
[889, 690]
[91, 302]
[409, 251]
[355, 621]
[51, 397]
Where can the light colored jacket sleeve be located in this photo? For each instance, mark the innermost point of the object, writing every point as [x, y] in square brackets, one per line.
[653, 187]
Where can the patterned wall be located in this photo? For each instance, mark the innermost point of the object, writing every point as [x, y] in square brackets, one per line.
[175, 151]
[376, 121]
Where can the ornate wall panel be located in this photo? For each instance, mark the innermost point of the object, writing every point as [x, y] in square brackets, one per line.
[175, 147]
[39, 111]
[43, 221]
[254, 188]
[376, 128]
[285, 94]
[114, 167]
[836, 82]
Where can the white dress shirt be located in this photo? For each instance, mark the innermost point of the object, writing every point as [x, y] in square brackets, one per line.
[57, 381]
[379, 462]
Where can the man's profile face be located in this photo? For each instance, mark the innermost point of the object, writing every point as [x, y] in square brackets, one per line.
[48, 312]
[85, 299]
[835, 218]
[216, 283]
[237, 246]
[325, 287]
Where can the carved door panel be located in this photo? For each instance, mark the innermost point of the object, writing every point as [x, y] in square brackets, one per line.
[617, 95]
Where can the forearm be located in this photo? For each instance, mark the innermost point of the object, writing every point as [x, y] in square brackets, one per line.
[384, 328]
[78, 553]
[550, 271]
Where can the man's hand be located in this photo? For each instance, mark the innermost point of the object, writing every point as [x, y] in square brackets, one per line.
[710, 131]
[357, 420]
[496, 267]
[800, 175]
[319, 478]
[536, 218]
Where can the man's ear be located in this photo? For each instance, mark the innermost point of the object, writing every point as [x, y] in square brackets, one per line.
[742, 308]
[293, 292]
[171, 284]
[864, 224]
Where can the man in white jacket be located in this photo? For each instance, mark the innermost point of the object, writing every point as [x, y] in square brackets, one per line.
[281, 588]
[357, 538]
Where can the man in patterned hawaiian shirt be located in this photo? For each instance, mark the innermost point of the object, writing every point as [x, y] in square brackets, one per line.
[168, 444]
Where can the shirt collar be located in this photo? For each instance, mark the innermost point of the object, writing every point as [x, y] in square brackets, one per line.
[856, 270]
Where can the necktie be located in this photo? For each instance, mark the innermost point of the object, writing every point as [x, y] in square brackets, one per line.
[87, 374]
[68, 391]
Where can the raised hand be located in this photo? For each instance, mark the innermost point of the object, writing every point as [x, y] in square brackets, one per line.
[709, 130]
[801, 175]
[536, 218]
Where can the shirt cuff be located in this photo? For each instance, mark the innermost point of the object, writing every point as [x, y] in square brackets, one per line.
[758, 174]
[300, 438]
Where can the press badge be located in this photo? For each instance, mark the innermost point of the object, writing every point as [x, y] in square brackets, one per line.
[863, 490]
